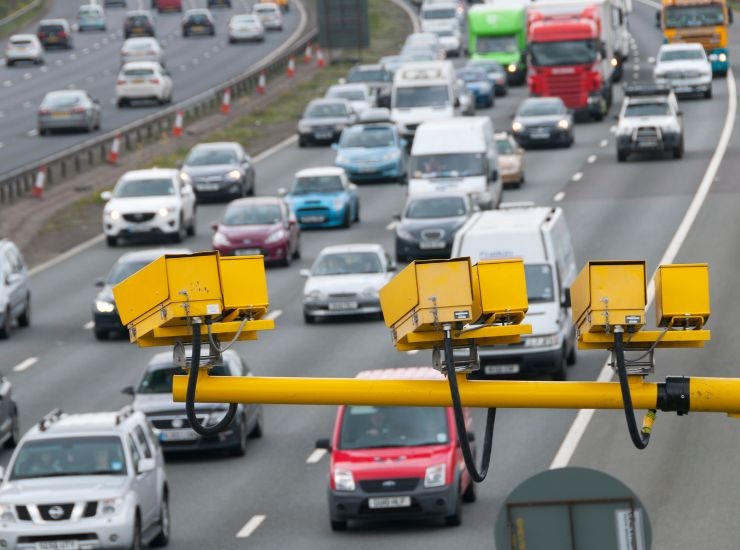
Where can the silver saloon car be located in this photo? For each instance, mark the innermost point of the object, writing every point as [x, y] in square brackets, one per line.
[68, 110]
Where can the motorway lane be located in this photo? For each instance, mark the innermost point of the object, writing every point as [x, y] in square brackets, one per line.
[196, 64]
[274, 479]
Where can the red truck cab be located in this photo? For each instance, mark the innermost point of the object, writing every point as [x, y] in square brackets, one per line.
[565, 60]
[396, 462]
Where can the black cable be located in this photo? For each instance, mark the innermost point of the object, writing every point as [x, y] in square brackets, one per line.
[190, 394]
[462, 432]
[640, 439]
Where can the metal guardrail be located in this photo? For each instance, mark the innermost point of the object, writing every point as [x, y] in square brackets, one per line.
[92, 152]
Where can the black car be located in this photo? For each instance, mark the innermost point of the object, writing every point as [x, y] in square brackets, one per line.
[219, 3]
[105, 315]
[55, 32]
[138, 23]
[543, 121]
[153, 396]
[198, 21]
[9, 429]
[220, 169]
[428, 224]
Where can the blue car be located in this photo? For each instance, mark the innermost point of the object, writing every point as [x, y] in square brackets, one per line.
[477, 81]
[91, 17]
[324, 197]
[372, 152]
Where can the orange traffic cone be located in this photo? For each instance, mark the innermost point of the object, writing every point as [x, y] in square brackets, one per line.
[308, 56]
[115, 147]
[261, 83]
[290, 71]
[177, 128]
[226, 102]
[320, 61]
[38, 185]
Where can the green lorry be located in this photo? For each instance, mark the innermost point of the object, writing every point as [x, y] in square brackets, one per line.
[499, 32]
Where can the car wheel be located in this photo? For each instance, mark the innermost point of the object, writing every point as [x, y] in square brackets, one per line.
[708, 93]
[347, 221]
[678, 151]
[122, 102]
[179, 235]
[302, 142]
[338, 525]
[455, 519]
[357, 213]
[240, 449]
[561, 373]
[232, 41]
[285, 262]
[101, 334]
[470, 494]
[136, 539]
[9, 63]
[572, 356]
[192, 228]
[15, 429]
[163, 538]
[7, 325]
[297, 251]
[25, 319]
[308, 318]
[42, 131]
[258, 429]
[111, 240]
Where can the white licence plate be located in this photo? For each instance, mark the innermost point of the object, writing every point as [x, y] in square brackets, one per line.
[207, 187]
[247, 252]
[342, 306]
[540, 135]
[178, 435]
[322, 135]
[389, 502]
[367, 169]
[58, 545]
[312, 219]
[501, 369]
[431, 245]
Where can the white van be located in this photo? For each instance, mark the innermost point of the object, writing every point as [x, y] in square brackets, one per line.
[540, 236]
[439, 16]
[422, 91]
[456, 154]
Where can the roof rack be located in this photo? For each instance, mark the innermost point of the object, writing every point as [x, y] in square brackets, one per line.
[375, 115]
[124, 413]
[49, 418]
[637, 90]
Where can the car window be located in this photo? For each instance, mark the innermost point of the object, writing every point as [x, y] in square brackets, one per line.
[20, 41]
[367, 427]
[343, 93]
[135, 455]
[123, 270]
[138, 72]
[677, 55]
[207, 157]
[144, 188]
[436, 207]
[62, 100]
[540, 108]
[347, 263]
[159, 380]
[504, 147]
[647, 109]
[369, 137]
[253, 214]
[317, 184]
[326, 110]
[143, 441]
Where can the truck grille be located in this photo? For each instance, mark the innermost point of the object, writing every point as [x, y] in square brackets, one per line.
[389, 485]
[56, 512]
[708, 40]
[571, 88]
[647, 136]
[432, 234]
[138, 217]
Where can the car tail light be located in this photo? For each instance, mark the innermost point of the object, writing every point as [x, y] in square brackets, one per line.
[44, 111]
[78, 110]
[42, 35]
[62, 34]
[154, 81]
[120, 81]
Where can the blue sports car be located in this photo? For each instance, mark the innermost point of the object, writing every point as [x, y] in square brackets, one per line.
[477, 81]
[372, 152]
[324, 197]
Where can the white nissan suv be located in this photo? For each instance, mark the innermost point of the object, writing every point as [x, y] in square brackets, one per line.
[86, 481]
[146, 203]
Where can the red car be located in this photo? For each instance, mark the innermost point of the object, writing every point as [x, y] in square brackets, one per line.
[167, 5]
[396, 462]
[259, 225]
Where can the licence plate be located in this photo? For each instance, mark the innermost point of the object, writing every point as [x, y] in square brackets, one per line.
[342, 306]
[198, 28]
[322, 135]
[178, 435]
[389, 502]
[58, 545]
[647, 144]
[540, 135]
[367, 169]
[247, 252]
[52, 39]
[312, 219]
[501, 369]
[207, 187]
[59, 114]
[137, 81]
[431, 245]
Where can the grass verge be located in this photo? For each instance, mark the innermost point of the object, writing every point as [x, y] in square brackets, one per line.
[23, 20]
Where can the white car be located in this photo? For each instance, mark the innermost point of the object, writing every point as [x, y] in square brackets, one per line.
[439, 16]
[145, 203]
[246, 27]
[451, 41]
[270, 15]
[142, 80]
[685, 68]
[346, 280]
[142, 48]
[23, 47]
[359, 96]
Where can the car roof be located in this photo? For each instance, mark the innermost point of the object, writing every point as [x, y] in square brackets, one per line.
[543, 100]
[112, 422]
[357, 247]
[320, 171]
[134, 13]
[23, 37]
[55, 93]
[681, 46]
[401, 373]
[247, 201]
[437, 195]
[368, 67]
[329, 100]
[141, 39]
[53, 22]
[218, 145]
[350, 86]
[141, 65]
[149, 172]
[265, 5]
[151, 254]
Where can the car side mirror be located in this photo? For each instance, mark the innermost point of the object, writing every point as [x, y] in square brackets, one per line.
[657, 19]
[494, 174]
[566, 298]
[323, 443]
[616, 116]
[457, 102]
[100, 282]
[471, 436]
[282, 191]
[146, 465]
[397, 216]
[404, 142]
[106, 195]
[305, 273]
[391, 267]
[128, 390]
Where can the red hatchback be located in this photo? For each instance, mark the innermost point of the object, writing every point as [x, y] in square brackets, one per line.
[259, 225]
[396, 462]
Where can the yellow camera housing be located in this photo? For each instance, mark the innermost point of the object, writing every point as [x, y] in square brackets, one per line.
[682, 295]
[500, 290]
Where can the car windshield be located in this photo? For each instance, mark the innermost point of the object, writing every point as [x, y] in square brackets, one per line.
[407, 97]
[409, 56]
[495, 44]
[367, 137]
[541, 108]
[435, 207]
[144, 188]
[317, 184]
[678, 55]
[138, 72]
[693, 16]
[448, 165]
[566, 52]
[62, 100]
[366, 427]
[51, 28]
[347, 263]
[89, 10]
[488, 66]
[503, 146]
[70, 456]
[252, 214]
[208, 157]
[438, 13]
[159, 380]
[123, 270]
[539, 283]
[138, 20]
[647, 109]
[470, 75]
[244, 19]
[326, 110]
[198, 18]
[352, 95]
[265, 11]
[368, 75]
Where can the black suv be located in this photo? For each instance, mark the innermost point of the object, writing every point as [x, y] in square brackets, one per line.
[138, 23]
[55, 32]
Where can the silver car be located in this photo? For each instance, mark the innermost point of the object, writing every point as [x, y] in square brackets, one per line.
[142, 48]
[346, 280]
[220, 169]
[15, 291]
[245, 27]
[324, 119]
[92, 480]
[68, 110]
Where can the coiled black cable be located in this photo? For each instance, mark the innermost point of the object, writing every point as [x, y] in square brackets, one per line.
[639, 438]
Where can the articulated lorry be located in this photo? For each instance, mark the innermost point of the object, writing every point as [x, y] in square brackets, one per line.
[576, 51]
[702, 21]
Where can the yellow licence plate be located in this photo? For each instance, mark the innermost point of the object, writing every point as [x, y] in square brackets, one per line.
[137, 82]
[59, 114]
[197, 28]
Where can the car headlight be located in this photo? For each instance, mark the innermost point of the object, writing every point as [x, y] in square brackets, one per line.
[7, 513]
[341, 159]
[338, 204]
[214, 418]
[402, 233]
[564, 124]
[435, 476]
[303, 127]
[234, 175]
[219, 239]
[391, 155]
[511, 68]
[164, 212]
[540, 341]
[275, 236]
[517, 126]
[110, 506]
[113, 214]
[369, 292]
[314, 296]
[722, 57]
[343, 480]
[104, 306]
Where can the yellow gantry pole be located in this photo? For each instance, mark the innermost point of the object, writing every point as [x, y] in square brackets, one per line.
[705, 394]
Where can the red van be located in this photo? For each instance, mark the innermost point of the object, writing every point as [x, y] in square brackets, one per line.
[397, 462]
[167, 5]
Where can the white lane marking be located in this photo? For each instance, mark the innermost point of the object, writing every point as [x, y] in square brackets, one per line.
[183, 67]
[32, 133]
[559, 196]
[104, 40]
[613, 129]
[391, 226]
[44, 69]
[66, 255]
[112, 36]
[604, 142]
[274, 315]
[651, 59]
[85, 51]
[2, 145]
[577, 176]
[2, 114]
[26, 104]
[206, 55]
[251, 526]
[89, 325]
[195, 61]
[73, 56]
[584, 416]
[412, 352]
[637, 67]
[59, 62]
[7, 83]
[96, 46]
[591, 159]
[275, 148]
[25, 364]
[315, 456]
[27, 76]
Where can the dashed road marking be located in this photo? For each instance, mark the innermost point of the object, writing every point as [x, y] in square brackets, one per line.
[96, 46]
[315, 456]
[25, 364]
[8, 83]
[85, 51]
[604, 142]
[59, 62]
[274, 315]
[206, 55]
[391, 226]
[559, 196]
[591, 159]
[651, 59]
[73, 56]
[2, 145]
[33, 133]
[44, 69]
[251, 526]
[26, 104]
[27, 76]
[613, 129]
[89, 325]
[577, 176]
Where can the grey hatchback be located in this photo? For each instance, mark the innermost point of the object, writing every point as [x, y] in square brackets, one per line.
[15, 292]
[68, 110]
[324, 119]
[220, 169]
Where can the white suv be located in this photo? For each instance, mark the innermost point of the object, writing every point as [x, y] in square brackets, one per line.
[86, 481]
[685, 68]
[145, 203]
